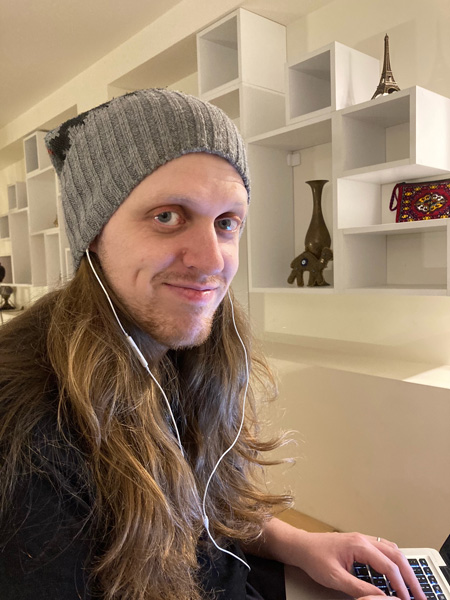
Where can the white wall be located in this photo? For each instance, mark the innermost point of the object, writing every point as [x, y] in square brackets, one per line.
[372, 453]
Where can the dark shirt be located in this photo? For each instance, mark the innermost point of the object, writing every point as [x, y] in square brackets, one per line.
[46, 543]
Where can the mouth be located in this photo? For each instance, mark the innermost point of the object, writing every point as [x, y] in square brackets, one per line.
[191, 292]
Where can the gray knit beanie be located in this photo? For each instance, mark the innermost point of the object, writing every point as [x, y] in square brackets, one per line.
[101, 155]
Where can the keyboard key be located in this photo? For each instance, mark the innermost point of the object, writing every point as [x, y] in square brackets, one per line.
[420, 567]
[375, 573]
[361, 570]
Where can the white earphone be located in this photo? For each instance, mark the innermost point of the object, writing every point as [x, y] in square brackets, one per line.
[144, 363]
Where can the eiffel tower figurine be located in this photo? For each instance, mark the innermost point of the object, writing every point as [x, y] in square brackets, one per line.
[387, 83]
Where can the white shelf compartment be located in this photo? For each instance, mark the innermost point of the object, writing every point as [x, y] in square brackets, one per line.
[45, 259]
[6, 262]
[362, 203]
[399, 290]
[68, 263]
[402, 258]
[53, 259]
[393, 137]
[41, 188]
[36, 155]
[253, 109]
[436, 225]
[329, 79]
[4, 227]
[241, 48]
[408, 257]
[20, 247]
[281, 205]
[66, 268]
[17, 195]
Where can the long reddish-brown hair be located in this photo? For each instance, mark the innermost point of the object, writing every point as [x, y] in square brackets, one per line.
[146, 495]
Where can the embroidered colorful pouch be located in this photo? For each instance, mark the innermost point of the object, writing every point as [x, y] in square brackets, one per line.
[421, 201]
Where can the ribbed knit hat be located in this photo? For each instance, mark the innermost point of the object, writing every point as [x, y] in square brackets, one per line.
[101, 155]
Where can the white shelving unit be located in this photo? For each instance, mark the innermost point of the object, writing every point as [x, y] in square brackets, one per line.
[17, 196]
[20, 247]
[5, 261]
[311, 118]
[36, 155]
[39, 250]
[241, 62]
[280, 197]
[408, 137]
[5, 245]
[405, 130]
[4, 227]
[42, 213]
[363, 147]
[328, 79]
[41, 188]
[241, 48]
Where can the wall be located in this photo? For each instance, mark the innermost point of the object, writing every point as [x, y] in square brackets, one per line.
[371, 454]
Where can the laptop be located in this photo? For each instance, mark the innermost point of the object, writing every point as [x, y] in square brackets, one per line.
[430, 568]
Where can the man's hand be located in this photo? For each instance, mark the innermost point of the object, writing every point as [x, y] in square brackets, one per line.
[328, 558]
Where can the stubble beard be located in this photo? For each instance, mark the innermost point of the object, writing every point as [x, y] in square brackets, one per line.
[176, 332]
[185, 328]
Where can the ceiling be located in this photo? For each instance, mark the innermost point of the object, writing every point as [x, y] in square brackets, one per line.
[45, 43]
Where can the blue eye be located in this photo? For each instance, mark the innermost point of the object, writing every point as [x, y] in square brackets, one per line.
[168, 217]
[228, 224]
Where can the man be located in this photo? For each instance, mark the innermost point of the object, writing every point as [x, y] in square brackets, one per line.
[128, 469]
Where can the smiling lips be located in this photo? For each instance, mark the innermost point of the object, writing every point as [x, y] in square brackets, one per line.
[191, 292]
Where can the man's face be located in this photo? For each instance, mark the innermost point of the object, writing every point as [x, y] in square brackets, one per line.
[170, 250]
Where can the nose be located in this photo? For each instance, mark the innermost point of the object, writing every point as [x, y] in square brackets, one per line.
[203, 251]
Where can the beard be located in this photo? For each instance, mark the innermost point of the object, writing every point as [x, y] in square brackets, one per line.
[176, 331]
[179, 326]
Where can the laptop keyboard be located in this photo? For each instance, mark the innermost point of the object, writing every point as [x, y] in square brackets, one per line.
[424, 574]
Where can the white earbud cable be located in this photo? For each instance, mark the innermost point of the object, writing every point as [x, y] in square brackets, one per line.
[205, 516]
[144, 363]
[139, 354]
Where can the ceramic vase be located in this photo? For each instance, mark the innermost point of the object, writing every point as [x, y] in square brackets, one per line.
[317, 237]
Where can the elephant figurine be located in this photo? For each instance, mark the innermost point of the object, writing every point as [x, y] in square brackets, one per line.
[307, 261]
